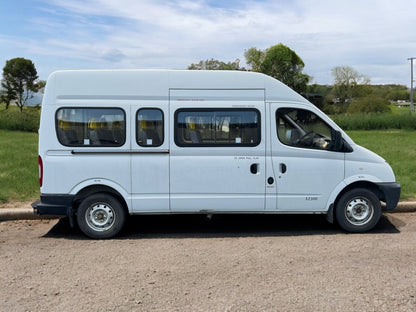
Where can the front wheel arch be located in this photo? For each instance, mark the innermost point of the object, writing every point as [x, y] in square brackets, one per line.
[361, 184]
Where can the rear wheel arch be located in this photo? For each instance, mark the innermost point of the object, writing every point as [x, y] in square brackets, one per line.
[95, 189]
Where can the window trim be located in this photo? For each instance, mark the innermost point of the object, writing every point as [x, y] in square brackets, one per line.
[91, 107]
[162, 140]
[216, 109]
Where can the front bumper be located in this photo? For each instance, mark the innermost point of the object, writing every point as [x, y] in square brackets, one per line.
[391, 192]
[53, 205]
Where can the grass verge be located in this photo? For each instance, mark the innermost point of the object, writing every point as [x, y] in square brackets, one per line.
[18, 166]
[376, 121]
[13, 119]
[398, 148]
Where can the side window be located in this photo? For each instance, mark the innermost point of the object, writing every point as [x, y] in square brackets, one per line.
[102, 127]
[302, 128]
[149, 127]
[217, 127]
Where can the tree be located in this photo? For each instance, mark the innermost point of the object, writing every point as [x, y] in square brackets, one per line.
[280, 62]
[349, 83]
[5, 98]
[254, 58]
[216, 65]
[285, 65]
[19, 81]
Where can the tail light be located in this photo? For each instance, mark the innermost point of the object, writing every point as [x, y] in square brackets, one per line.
[40, 171]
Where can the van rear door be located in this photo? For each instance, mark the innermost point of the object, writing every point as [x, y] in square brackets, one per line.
[217, 150]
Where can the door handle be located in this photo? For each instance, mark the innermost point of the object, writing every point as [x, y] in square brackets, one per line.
[254, 168]
[283, 168]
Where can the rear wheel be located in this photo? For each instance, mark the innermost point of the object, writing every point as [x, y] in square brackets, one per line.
[358, 210]
[100, 216]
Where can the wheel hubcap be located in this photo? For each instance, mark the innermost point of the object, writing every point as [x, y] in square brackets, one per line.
[100, 217]
[359, 211]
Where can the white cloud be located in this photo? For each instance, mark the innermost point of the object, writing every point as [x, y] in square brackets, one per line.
[374, 36]
[112, 54]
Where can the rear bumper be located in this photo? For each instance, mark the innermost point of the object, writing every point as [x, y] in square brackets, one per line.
[53, 205]
[391, 192]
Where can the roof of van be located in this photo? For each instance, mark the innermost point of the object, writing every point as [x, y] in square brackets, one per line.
[152, 84]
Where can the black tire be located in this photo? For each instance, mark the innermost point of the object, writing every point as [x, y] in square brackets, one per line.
[358, 210]
[101, 216]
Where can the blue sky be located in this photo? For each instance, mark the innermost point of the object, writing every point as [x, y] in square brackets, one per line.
[375, 36]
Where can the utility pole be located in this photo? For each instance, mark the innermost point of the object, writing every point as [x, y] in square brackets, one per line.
[412, 107]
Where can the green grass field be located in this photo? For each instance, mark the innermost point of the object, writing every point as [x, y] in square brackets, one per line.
[400, 119]
[398, 147]
[19, 168]
[13, 119]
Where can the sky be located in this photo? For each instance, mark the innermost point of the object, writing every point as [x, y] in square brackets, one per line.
[375, 37]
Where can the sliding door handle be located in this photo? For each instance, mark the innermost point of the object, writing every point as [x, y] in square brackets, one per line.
[283, 168]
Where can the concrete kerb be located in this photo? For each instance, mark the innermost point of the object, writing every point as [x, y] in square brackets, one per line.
[7, 214]
[409, 206]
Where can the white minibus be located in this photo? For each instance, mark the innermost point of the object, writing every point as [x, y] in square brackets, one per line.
[114, 143]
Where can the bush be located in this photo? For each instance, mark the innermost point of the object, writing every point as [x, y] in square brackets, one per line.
[369, 105]
[376, 121]
[13, 119]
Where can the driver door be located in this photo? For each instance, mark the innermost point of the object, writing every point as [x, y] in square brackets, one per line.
[306, 168]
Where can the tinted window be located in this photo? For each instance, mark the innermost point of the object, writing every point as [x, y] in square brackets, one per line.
[91, 126]
[149, 127]
[302, 128]
[217, 127]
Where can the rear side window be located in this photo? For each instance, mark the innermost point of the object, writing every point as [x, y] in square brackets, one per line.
[149, 127]
[217, 127]
[91, 126]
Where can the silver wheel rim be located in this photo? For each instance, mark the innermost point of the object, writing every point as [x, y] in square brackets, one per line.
[100, 217]
[359, 211]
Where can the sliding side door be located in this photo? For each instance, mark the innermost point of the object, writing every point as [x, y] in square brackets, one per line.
[217, 150]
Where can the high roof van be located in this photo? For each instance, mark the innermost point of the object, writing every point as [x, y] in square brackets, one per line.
[114, 143]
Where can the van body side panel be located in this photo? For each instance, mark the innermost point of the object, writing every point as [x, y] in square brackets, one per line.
[307, 182]
[216, 183]
[150, 182]
[95, 168]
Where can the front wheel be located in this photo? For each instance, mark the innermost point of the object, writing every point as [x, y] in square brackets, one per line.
[100, 216]
[358, 210]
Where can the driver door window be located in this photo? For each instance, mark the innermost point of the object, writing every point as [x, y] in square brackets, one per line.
[302, 128]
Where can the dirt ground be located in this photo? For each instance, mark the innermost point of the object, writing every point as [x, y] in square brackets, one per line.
[229, 263]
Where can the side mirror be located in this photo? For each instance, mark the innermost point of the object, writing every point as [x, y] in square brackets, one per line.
[336, 138]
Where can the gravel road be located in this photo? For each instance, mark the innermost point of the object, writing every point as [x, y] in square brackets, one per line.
[229, 263]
